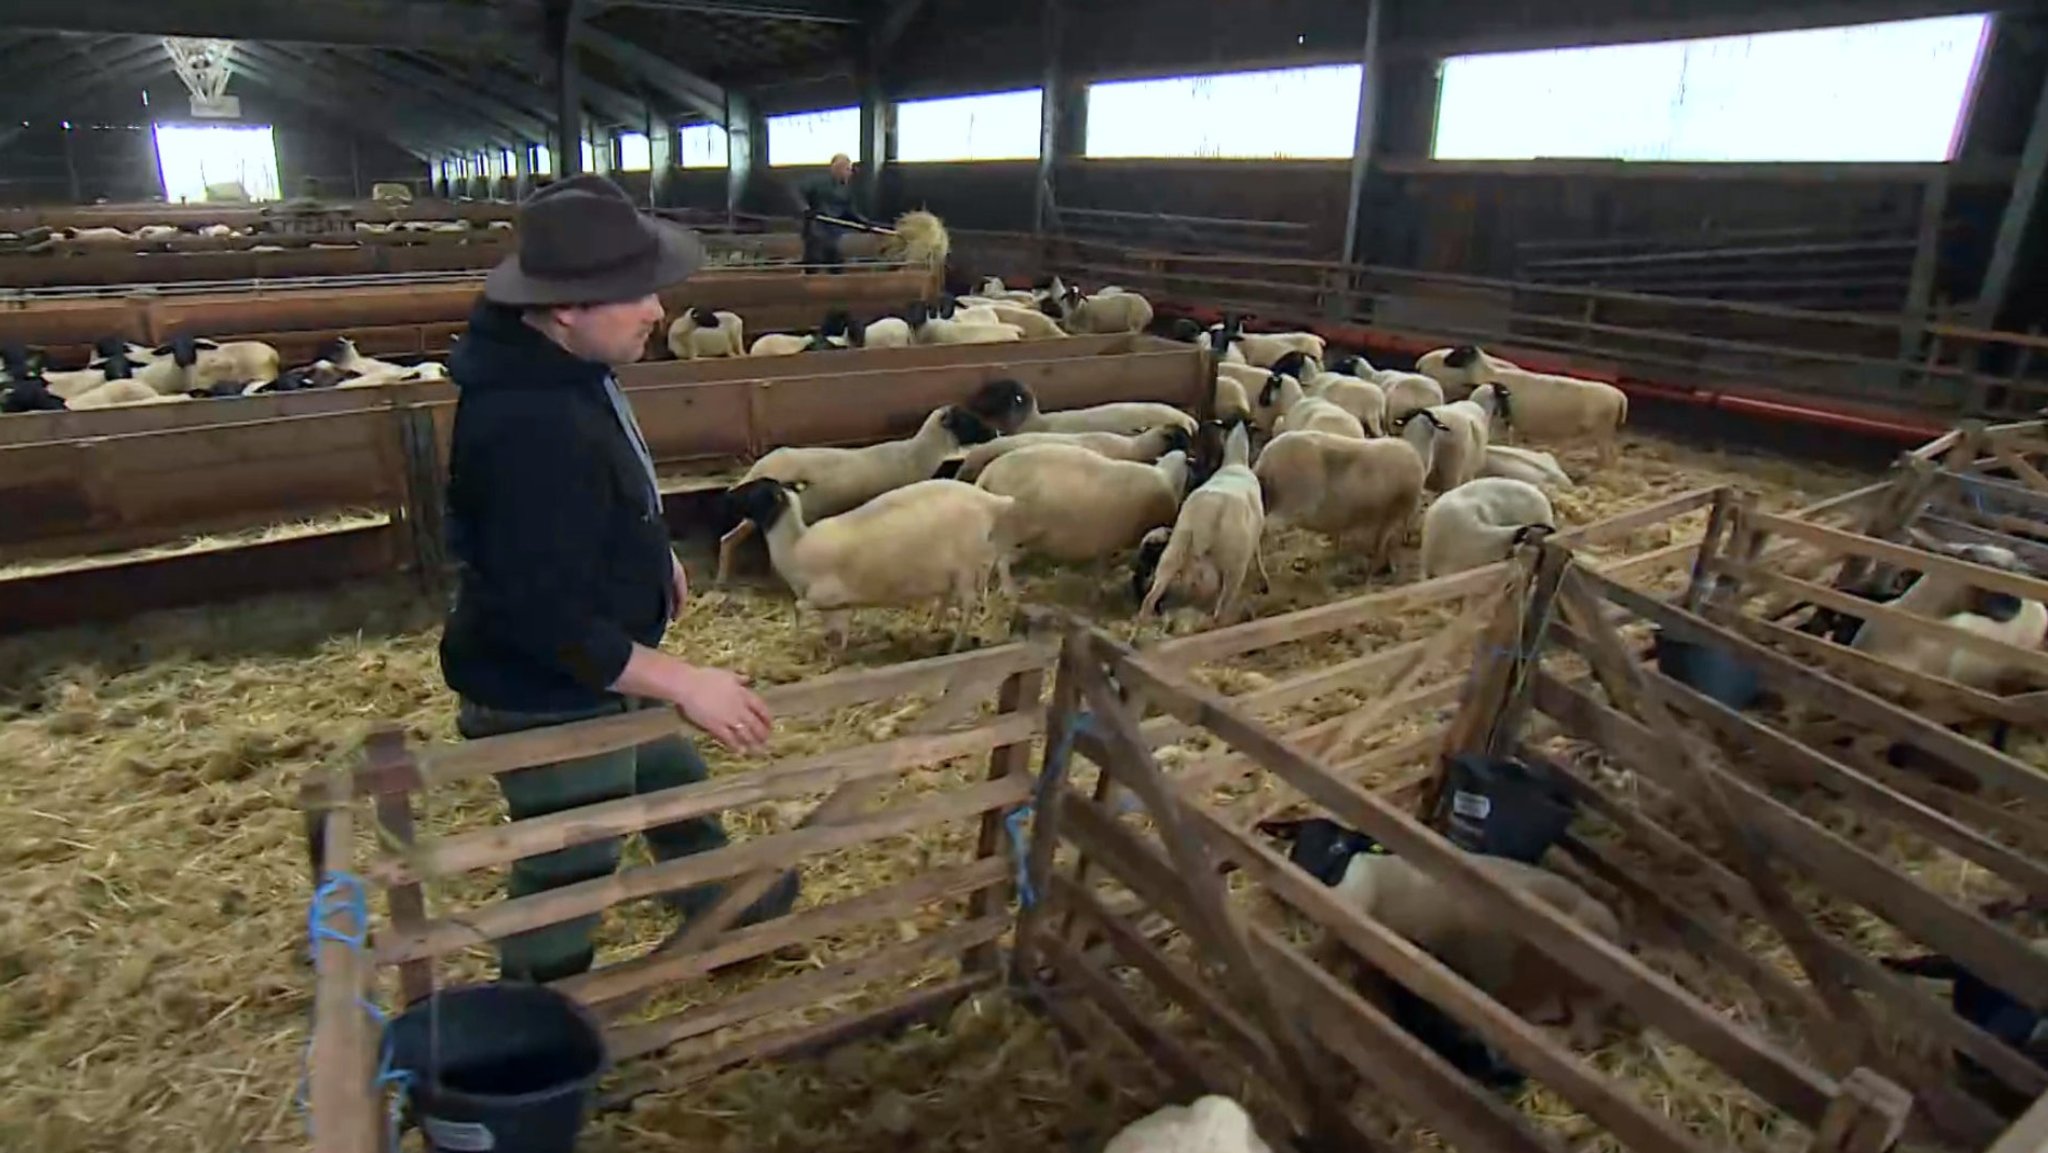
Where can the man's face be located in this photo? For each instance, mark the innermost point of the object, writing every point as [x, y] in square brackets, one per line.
[842, 169]
[612, 333]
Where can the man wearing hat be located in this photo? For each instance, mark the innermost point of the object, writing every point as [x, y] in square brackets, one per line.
[829, 195]
[566, 578]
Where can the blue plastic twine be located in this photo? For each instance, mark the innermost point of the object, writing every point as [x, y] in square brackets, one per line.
[344, 897]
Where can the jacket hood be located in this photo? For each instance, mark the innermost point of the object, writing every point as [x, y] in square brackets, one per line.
[500, 351]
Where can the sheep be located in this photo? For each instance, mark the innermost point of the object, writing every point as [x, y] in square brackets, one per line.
[1228, 401]
[2017, 621]
[1034, 324]
[108, 236]
[1250, 382]
[1461, 934]
[1407, 392]
[1265, 348]
[1214, 540]
[1311, 412]
[29, 394]
[1355, 395]
[951, 307]
[1012, 408]
[993, 288]
[117, 393]
[156, 232]
[931, 539]
[927, 327]
[1342, 487]
[25, 368]
[1276, 395]
[1460, 455]
[1074, 505]
[831, 480]
[1461, 369]
[1538, 468]
[887, 332]
[1145, 447]
[1115, 312]
[780, 344]
[840, 330]
[1211, 1124]
[216, 231]
[1481, 522]
[701, 333]
[1547, 407]
[206, 364]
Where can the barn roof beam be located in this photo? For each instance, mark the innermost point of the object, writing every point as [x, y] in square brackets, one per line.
[896, 18]
[344, 92]
[699, 95]
[804, 11]
[88, 79]
[430, 83]
[378, 23]
[422, 138]
[519, 89]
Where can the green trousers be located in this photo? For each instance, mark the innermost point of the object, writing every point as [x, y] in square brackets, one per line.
[565, 949]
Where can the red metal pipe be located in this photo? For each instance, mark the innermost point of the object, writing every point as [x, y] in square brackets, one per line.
[1883, 425]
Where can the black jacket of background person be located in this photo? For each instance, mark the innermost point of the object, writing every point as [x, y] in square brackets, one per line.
[561, 566]
[824, 196]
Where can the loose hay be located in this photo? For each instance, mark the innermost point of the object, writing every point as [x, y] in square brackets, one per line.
[151, 989]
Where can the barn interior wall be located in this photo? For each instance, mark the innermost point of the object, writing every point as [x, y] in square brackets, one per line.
[118, 162]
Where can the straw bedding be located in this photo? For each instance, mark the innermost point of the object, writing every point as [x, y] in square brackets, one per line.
[152, 991]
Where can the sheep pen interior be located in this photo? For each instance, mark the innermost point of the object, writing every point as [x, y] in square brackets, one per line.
[152, 933]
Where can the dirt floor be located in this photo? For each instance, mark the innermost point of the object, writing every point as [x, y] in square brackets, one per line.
[152, 989]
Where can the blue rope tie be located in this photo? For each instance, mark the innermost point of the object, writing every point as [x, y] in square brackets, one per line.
[344, 897]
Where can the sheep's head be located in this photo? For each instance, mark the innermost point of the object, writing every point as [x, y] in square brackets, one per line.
[1270, 395]
[1321, 847]
[21, 362]
[1176, 438]
[948, 305]
[1351, 365]
[1533, 533]
[1185, 330]
[107, 347]
[1463, 356]
[964, 426]
[1050, 306]
[116, 367]
[838, 322]
[1294, 364]
[1502, 403]
[762, 501]
[704, 317]
[1219, 340]
[184, 351]
[1146, 564]
[1005, 404]
[2000, 607]
[918, 314]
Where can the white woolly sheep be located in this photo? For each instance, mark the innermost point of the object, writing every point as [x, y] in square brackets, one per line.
[1461, 369]
[887, 332]
[1265, 349]
[1363, 489]
[1480, 522]
[1460, 455]
[1407, 392]
[701, 333]
[1525, 464]
[1934, 595]
[1359, 397]
[1214, 541]
[1075, 505]
[780, 344]
[833, 480]
[927, 327]
[1034, 324]
[1145, 447]
[1211, 1124]
[118, 393]
[1313, 413]
[1561, 409]
[1116, 312]
[929, 540]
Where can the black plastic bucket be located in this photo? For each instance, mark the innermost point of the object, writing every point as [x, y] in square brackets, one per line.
[501, 1068]
[1713, 671]
[1502, 807]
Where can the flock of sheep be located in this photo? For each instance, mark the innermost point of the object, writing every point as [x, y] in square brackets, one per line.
[157, 236]
[121, 374]
[995, 315]
[992, 479]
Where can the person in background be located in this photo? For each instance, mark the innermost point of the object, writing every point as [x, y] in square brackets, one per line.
[566, 580]
[829, 195]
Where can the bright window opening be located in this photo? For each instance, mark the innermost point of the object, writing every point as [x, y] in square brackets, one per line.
[1283, 114]
[996, 126]
[635, 153]
[813, 137]
[507, 163]
[195, 159]
[1874, 92]
[542, 158]
[701, 146]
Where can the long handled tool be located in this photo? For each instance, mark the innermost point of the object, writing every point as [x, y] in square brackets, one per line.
[855, 225]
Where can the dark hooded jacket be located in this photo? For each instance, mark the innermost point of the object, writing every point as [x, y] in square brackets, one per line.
[562, 563]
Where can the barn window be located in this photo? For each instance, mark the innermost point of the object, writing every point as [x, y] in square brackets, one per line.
[701, 146]
[635, 153]
[993, 126]
[812, 137]
[589, 157]
[194, 157]
[542, 158]
[1282, 114]
[1872, 92]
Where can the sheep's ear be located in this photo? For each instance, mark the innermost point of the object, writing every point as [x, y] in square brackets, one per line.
[204, 343]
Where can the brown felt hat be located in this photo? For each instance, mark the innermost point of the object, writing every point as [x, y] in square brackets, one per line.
[581, 241]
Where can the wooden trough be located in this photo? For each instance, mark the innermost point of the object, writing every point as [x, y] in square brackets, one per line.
[87, 483]
[419, 318]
